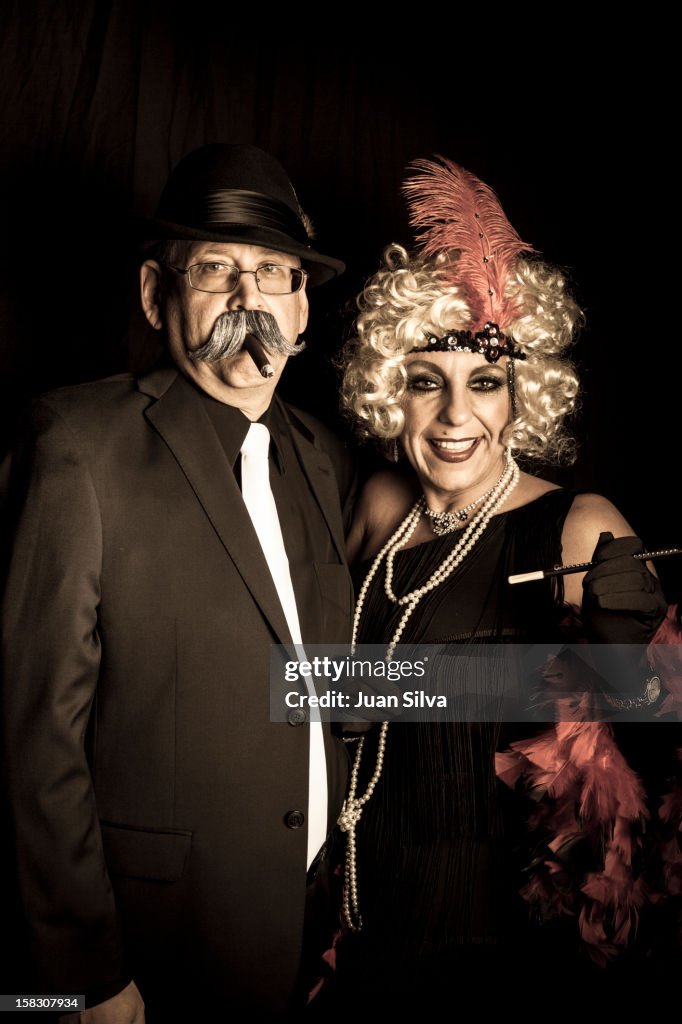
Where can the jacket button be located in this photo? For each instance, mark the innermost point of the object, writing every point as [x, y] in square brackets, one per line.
[295, 819]
[297, 717]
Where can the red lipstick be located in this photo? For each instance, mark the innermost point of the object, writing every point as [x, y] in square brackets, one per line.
[448, 454]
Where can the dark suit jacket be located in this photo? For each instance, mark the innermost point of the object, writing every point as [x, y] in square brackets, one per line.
[150, 793]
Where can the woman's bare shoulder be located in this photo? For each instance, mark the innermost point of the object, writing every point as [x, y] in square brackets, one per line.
[589, 515]
[385, 500]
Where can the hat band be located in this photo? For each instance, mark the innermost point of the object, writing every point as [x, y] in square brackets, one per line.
[240, 207]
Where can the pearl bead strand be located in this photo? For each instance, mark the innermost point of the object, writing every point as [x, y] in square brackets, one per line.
[353, 806]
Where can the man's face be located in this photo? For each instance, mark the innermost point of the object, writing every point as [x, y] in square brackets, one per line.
[189, 316]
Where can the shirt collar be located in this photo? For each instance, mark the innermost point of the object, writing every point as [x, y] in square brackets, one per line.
[232, 426]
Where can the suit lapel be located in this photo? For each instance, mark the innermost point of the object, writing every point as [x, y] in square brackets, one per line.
[319, 471]
[180, 419]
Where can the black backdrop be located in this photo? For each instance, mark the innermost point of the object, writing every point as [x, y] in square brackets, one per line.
[100, 98]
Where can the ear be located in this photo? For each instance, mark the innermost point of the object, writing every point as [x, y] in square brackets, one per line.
[150, 292]
[302, 310]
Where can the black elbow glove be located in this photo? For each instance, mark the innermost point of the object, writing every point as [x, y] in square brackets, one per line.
[623, 605]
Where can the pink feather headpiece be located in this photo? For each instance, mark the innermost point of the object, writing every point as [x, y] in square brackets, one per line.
[453, 211]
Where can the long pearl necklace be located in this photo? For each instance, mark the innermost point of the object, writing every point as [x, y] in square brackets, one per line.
[353, 806]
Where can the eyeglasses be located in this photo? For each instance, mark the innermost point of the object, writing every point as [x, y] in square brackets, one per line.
[271, 278]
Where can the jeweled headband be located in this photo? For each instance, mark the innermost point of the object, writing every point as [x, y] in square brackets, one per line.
[490, 342]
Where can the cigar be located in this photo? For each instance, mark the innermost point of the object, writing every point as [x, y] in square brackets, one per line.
[566, 570]
[257, 351]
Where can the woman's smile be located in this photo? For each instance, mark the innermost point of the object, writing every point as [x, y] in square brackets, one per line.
[450, 450]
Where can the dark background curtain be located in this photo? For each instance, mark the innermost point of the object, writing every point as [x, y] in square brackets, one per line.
[101, 98]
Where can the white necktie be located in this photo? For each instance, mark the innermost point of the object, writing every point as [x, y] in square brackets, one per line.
[260, 503]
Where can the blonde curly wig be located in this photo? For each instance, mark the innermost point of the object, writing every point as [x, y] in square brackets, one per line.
[408, 299]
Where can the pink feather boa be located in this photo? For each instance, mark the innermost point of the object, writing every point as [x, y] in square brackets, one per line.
[585, 792]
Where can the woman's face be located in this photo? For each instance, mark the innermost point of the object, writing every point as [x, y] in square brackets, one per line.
[456, 407]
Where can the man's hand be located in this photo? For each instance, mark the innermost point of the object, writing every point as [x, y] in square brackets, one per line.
[126, 1007]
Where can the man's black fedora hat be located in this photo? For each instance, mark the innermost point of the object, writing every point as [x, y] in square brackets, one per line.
[237, 193]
